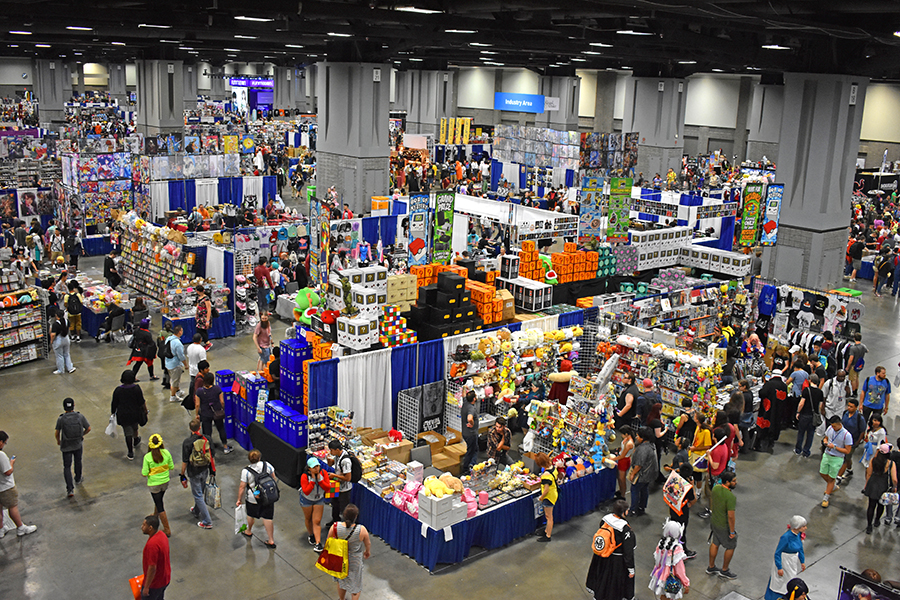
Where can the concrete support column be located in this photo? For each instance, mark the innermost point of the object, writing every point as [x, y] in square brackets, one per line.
[431, 97]
[819, 139]
[79, 67]
[605, 103]
[160, 95]
[217, 84]
[51, 90]
[745, 98]
[353, 150]
[117, 88]
[764, 122]
[310, 102]
[189, 75]
[284, 88]
[654, 108]
[402, 91]
[567, 89]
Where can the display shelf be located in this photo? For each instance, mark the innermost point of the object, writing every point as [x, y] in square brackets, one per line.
[23, 327]
[147, 267]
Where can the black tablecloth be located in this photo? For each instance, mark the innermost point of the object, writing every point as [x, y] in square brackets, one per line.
[287, 460]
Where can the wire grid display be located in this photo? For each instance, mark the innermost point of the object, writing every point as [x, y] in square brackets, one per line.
[587, 355]
[44, 295]
[408, 417]
[243, 262]
[317, 415]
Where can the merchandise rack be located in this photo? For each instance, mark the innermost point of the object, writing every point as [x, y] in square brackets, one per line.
[408, 417]
[23, 329]
[143, 271]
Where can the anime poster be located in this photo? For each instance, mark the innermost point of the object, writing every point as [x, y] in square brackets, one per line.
[69, 175]
[160, 169]
[443, 227]
[591, 209]
[192, 144]
[232, 163]
[162, 144]
[230, 144]
[135, 144]
[88, 168]
[176, 143]
[46, 201]
[28, 202]
[630, 154]
[145, 169]
[190, 166]
[211, 144]
[619, 216]
[418, 229]
[176, 166]
[216, 165]
[774, 197]
[248, 144]
[9, 206]
[752, 201]
[105, 166]
[151, 146]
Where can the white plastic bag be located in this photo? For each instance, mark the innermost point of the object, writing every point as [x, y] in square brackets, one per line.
[111, 428]
[240, 519]
[897, 379]
[8, 524]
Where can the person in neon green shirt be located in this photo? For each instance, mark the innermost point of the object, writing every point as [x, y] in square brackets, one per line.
[156, 467]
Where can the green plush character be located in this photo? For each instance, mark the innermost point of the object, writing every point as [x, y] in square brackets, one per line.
[550, 278]
[307, 301]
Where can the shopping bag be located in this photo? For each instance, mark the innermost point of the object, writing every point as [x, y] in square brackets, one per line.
[897, 379]
[335, 558]
[675, 489]
[212, 495]
[8, 524]
[136, 584]
[111, 428]
[240, 519]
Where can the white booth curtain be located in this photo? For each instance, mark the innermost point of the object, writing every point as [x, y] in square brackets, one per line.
[364, 387]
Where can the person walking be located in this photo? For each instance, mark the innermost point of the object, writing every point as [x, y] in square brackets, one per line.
[549, 493]
[156, 566]
[130, 409]
[9, 495]
[854, 424]
[856, 354]
[262, 338]
[875, 395]
[835, 391]
[59, 341]
[210, 408]
[143, 349]
[685, 471]
[838, 444]
[255, 510]
[156, 467]
[772, 396]
[195, 352]
[343, 467]
[360, 548]
[722, 504]
[71, 427]
[612, 577]
[203, 316]
[164, 334]
[175, 361]
[810, 405]
[314, 482]
[789, 558]
[881, 476]
[74, 302]
[668, 558]
[644, 470]
[623, 459]
[198, 461]
[469, 428]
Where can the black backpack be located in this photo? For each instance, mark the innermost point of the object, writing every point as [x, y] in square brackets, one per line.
[71, 428]
[356, 470]
[266, 488]
[73, 304]
[167, 349]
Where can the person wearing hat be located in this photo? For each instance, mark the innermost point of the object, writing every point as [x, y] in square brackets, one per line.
[314, 482]
[498, 442]
[143, 349]
[71, 427]
[796, 590]
[156, 467]
[130, 409]
[646, 400]
[254, 509]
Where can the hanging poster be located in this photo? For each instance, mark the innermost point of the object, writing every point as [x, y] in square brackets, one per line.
[591, 208]
[230, 144]
[451, 131]
[46, 201]
[28, 202]
[418, 229]
[211, 144]
[9, 207]
[314, 244]
[752, 199]
[774, 195]
[443, 227]
[192, 144]
[248, 144]
[619, 209]
[466, 125]
[443, 130]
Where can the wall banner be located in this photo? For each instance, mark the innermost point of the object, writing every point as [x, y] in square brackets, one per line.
[619, 209]
[752, 200]
[591, 208]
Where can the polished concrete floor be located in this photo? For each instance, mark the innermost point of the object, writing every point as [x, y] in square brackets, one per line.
[89, 546]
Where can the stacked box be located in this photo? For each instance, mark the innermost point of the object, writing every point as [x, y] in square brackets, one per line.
[530, 264]
[445, 307]
[402, 290]
[438, 513]
[354, 333]
[626, 259]
[392, 328]
[293, 353]
[528, 295]
[509, 266]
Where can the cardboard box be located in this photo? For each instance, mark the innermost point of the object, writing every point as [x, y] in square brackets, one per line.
[399, 452]
[434, 439]
[435, 506]
[368, 438]
[457, 449]
[449, 464]
[509, 305]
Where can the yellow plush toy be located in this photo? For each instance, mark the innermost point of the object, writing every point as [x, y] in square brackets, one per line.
[452, 482]
[435, 487]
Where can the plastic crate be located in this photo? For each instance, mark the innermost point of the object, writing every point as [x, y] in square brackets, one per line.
[225, 379]
[293, 353]
[229, 427]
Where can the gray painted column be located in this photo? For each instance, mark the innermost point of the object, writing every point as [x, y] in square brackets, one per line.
[605, 103]
[160, 95]
[117, 88]
[79, 66]
[745, 98]
[567, 89]
[402, 91]
[654, 108]
[217, 84]
[819, 138]
[764, 122]
[51, 91]
[352, 146]
[430, 99]
[189, 75]
[310, 85]
[283, 88]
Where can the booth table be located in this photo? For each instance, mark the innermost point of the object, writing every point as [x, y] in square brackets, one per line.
[91, 321]
[96, 245]
[489, 529]
[221, 326]
[866, 268]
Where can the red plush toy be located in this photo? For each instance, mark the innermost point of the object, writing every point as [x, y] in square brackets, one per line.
[330, 316]
[395, 436]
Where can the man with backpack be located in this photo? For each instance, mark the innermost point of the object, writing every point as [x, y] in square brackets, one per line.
[855, 360]
[175, 361]
[197, 462]
[74, 302]
[260, 490]
[71, 427]
[347, 470]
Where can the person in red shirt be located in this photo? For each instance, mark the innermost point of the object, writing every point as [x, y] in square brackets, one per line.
[347, 214]
[263, 278]
[157, 571]
[718, 456]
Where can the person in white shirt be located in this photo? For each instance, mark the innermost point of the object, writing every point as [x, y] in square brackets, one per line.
[195, 353]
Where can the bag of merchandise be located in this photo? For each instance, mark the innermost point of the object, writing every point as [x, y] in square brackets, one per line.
[212, 495]
[111, 428]
[240, 519]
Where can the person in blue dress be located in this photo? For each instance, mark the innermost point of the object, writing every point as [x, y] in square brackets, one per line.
[789, 559]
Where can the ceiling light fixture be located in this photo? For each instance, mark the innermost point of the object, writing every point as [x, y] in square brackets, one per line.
[231, 49]
[897, 33]
[579, 59]
[632, 32]
[488, 52]
[292, 46]
[416, 59]
[20, 32]
[459, 31]
[592, 53]
[13, 45]
[754, 69]
[338, 34]
[42, 45]
[117, 43]
[480, 44]
[170, 41]
[627, 68]
[244, 37]
[687, 62]
[76, 28]
[601, 45]
[185, 48]
[256, 19]
[775, 47]
[718, 71]
[155, 26]
[496, 64]
[414, 9]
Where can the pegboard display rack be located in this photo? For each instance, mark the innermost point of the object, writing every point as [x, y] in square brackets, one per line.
[408, 417]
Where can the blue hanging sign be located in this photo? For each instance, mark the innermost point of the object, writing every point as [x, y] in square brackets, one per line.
[530, 103]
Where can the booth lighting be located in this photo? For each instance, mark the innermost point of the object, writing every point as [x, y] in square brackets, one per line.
[601, 44]
[20, 32]
[155, 26]
[415, 9]
[76, 28]
[244, 37]
[337, 34]
[775, 47]
[459, 31]
[256, 19]
[632, 32]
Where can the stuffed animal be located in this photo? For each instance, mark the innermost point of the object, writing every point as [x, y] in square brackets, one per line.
[395, 436]
[435, 487]
[452, 482]
[504, 334]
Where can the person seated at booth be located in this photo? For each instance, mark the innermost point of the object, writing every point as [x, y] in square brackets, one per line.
[103, 333]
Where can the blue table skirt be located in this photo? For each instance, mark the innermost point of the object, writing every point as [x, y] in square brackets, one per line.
[222, 326]
[91, 321]
[96, 245]
[866, 270]
[489, 530]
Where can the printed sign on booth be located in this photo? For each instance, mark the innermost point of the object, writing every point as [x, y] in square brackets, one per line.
[750, 218]
[774, 196]
[619, 209]
[418, 229]
[591, 208]
[443, 227]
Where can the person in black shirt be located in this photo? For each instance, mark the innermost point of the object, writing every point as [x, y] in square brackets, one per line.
[103, 333]
[855, 252]
[626, 405]
[810, 402]
[109, 270]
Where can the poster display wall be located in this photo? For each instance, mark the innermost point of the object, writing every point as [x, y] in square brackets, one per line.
[774, 196]
[591, 208]
[418, 229]
[752, 200]
[619, 209]
[443, 227]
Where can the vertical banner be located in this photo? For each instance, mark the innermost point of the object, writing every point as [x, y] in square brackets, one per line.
[466, 125]
[774, 196]
[591, 208]
[443, 130]
[443, 227]
[752, 199]
[314, 241]
[451, 130]
[619, 209]
[418, 229]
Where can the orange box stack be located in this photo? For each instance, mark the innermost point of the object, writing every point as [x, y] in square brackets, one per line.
[483, 298]
[575, 265]
[530, 265]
